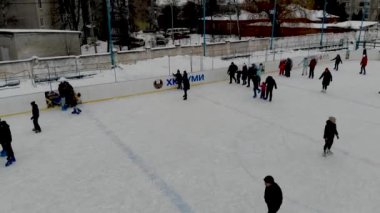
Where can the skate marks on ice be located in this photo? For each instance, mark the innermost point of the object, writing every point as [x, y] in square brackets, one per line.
[174, 197]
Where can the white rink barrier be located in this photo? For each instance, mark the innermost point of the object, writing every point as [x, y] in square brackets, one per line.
[21, 103]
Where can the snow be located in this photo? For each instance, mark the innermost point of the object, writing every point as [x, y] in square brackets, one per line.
[158, 153]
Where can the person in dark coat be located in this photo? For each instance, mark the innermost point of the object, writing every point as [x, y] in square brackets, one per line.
[232, 69]
[327, 78]
[313, 63]
[6, 140]
[270, 82]
[288, 67]
[251, 72]
[35, 116]
[329, 134]
[186, 84]
[363, 64]
[238, 76]
[244, 74]
[256, 85]
[178, 79]
[272, 195]
[3, 153]
[338, 61]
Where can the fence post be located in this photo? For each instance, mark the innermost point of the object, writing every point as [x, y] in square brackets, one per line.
[169, 63]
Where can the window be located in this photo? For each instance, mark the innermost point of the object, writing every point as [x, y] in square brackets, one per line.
[39, 4]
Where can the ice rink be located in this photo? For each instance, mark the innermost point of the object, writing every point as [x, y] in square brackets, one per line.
[157, 153]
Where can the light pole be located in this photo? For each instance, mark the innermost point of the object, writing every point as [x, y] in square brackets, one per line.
[171, 9]
[204, 27]
[360, 31]
[110, 46]
[237, 18]
[323, 23]
[273, 23]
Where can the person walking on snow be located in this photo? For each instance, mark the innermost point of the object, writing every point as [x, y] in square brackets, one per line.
[178, 79]
[288, 67]
[272, 194]
[363, 64]
[6, 141]
[327, 78]
[35, 116]
[305, 64]
[232, 69]
[256, 84]
[263, 87]
[244, 74]
[270, 82]
[313, 63]
[281, 66]
[186, 84]
[329, 134]
[338, 61]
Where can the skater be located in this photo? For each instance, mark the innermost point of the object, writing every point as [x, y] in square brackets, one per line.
[6, 140]
[35, 116]
[3, 153]
[288, 67]
[363, 64]
[178, 79]
[272, 195]
[327, 78]
[338, 61]
[238, 76]
[232, 69]
[251, 72]
[330, 132]
[186, 84]
[256, 84]
[281, 66]
[244, 74]
[305, 63]
[313, 63]
[270, 83]
[263, 87]
[261, 69]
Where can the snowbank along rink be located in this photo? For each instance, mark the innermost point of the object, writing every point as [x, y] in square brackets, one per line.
[158, 153]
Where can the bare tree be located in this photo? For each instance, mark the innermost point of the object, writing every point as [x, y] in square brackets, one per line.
[70, 13]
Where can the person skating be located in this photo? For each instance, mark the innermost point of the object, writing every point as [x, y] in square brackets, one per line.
[313, 63]
[363, 64]
[272, 195]
[256, 84]
[338, 61]
[35, 116]
[281, 66]
[244, 74]
[251, 72]
[327, 78]
[178, 79]
[186, 84]
[232, 69]
[288, 67]
[305, 63]
[6, 141]
[3, 153]
[329, 134]
[270, 82]
[263, 88]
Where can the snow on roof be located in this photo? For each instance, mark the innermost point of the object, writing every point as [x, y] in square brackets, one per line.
[244, 15]
[353, 24]
[313, 15]
[36, 31]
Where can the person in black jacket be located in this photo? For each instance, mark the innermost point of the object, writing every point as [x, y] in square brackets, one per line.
[244, 74]
[327, 78]
[330, 132]
[232, 69]
[338, 61]
[35, 116]
[273, 194]
[252, 70]
[6, 140]
[288, 67]
[270, 82]
[256, 84]
[178, 79]
[186, 84]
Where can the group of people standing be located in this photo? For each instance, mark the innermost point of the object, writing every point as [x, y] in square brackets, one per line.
[68, 97]
[253, 73]
[182, 82]
[285, 67]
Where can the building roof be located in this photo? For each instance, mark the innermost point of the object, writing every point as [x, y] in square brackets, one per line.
[36, 31]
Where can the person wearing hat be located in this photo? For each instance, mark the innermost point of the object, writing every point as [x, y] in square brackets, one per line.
[327, 77]
[35, 116]
[272, 195]
[330, 132]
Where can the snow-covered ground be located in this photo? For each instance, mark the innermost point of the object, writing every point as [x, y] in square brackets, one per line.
[158, 153]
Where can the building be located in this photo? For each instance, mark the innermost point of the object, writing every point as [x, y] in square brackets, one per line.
[371, 8]
[31, 14]
[18, 44]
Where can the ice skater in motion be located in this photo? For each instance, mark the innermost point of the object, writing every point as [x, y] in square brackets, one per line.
[6, 142]
[327, 78]
[329, 134]
[338, 61]
[273, 194]
[35, 116]
[186, 84]
[363, 64]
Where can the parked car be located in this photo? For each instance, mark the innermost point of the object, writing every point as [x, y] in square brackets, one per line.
[161, 40]
[136, 42]
[177, 32]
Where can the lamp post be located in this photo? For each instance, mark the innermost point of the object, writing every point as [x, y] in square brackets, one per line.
[110, 46]
[360, 31]
[323, 23]
[273, 23]
[237, 18]
[171, 9]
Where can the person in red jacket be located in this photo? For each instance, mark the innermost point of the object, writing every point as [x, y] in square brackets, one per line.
[363, 64]
[263, 88]
[282, 67]
[312, 64]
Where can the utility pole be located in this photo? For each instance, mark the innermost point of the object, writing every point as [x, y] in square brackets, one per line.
[273, 24]
[204, 27]
[237, 18]
[110, 46]
[360, 31]
[323, 23]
